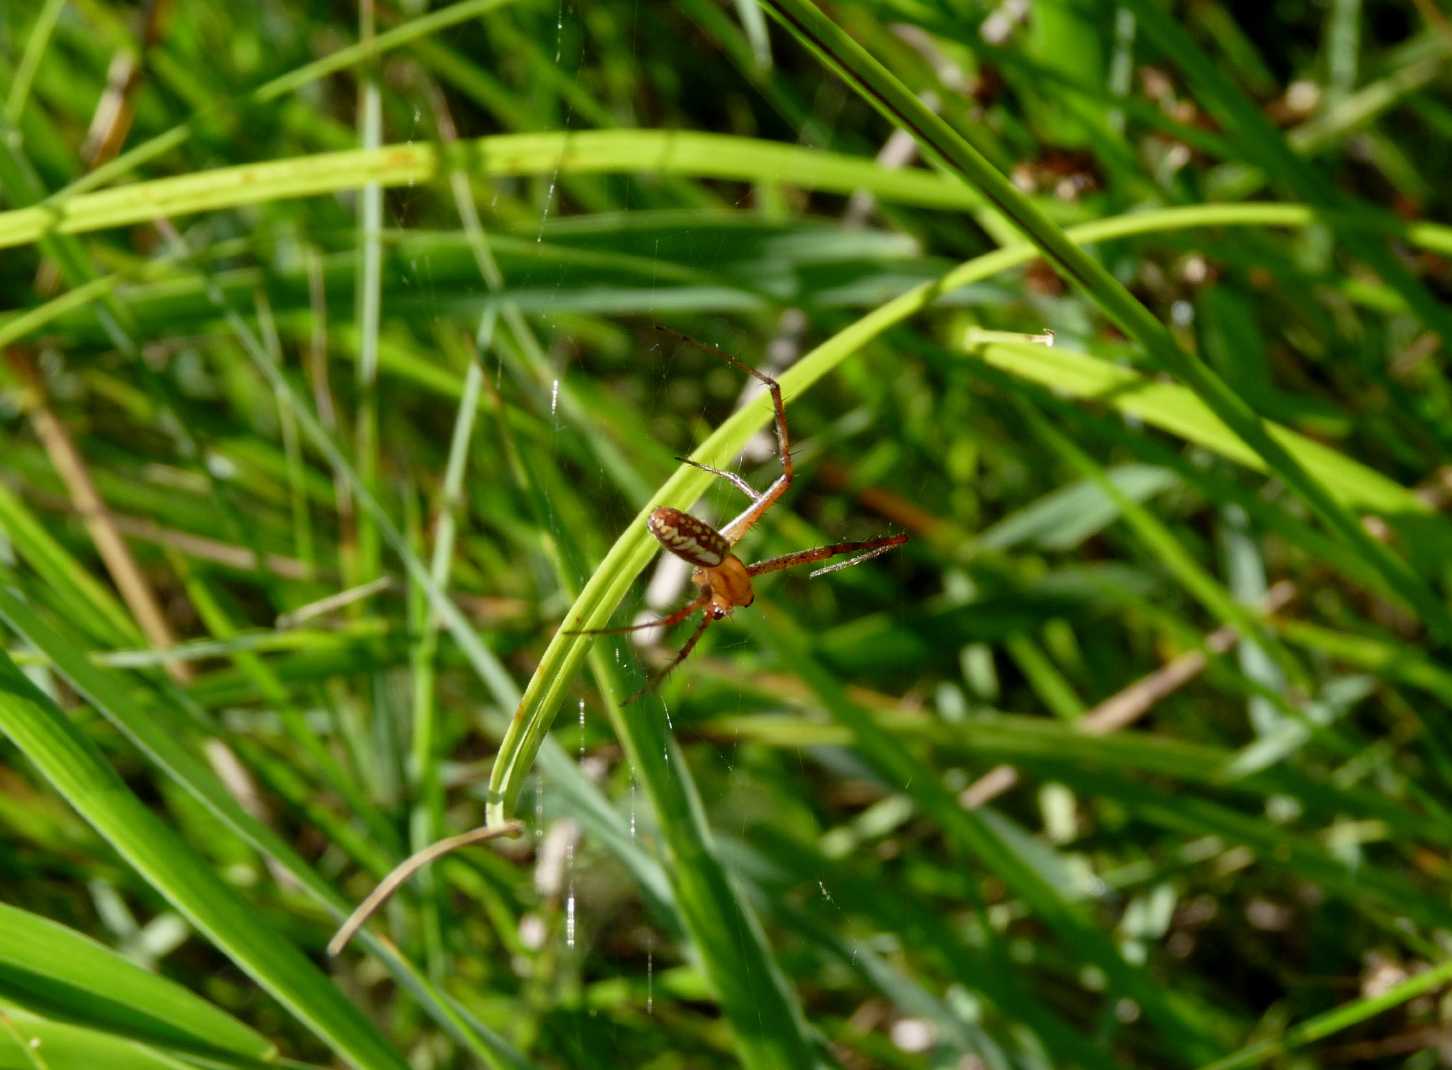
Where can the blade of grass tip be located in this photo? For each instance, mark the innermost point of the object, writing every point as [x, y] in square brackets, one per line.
[1357, 110]
[979, 839]
[73, 766]
[30, 1041]
[1239, 551]
[1334, 1021]
[881, 89]
[1045, 680]
[753, 24]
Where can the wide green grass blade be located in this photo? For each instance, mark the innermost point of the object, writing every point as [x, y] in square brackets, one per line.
[164, 739]
[1420, 531]
[31, 1042]
[73, 766]
[56, 971]
[585, 152]
[1180, 412]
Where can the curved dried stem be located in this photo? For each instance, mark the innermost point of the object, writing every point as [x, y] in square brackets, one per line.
[406, 869]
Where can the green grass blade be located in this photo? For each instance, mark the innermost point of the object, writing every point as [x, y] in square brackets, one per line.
[54, 970]
[340, 60]
[980, 839]
[878, 86]
[31, 1042]
[1334, 1021]
[76, 769]
[160, 740]
[1180, 412]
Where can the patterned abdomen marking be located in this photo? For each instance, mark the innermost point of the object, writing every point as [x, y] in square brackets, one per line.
[688, 538]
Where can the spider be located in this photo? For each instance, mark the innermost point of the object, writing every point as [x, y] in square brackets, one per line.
[724, 579]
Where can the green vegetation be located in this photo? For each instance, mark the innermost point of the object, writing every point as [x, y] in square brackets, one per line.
[341, 373]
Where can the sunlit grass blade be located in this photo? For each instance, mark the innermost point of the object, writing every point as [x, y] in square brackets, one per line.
[55, 970]
[32, 1041]
[1180, 412]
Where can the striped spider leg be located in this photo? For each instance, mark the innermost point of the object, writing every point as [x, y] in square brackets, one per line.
[723, 578]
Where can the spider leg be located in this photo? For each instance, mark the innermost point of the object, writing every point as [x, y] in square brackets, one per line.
[661, 622]
[866, 555]
[730, 477]
[764, 501]
[681, 655]
[863, 551]
[747, 520]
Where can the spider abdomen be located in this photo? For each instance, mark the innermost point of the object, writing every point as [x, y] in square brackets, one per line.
[688, 538]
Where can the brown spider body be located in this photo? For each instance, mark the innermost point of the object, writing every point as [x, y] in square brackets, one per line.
[724, 579]
[688, 538]
[722, 576]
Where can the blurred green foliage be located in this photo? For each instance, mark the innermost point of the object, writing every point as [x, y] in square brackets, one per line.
[1134, 756]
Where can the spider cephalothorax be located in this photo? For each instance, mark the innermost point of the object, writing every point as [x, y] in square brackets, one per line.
[724, 579]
